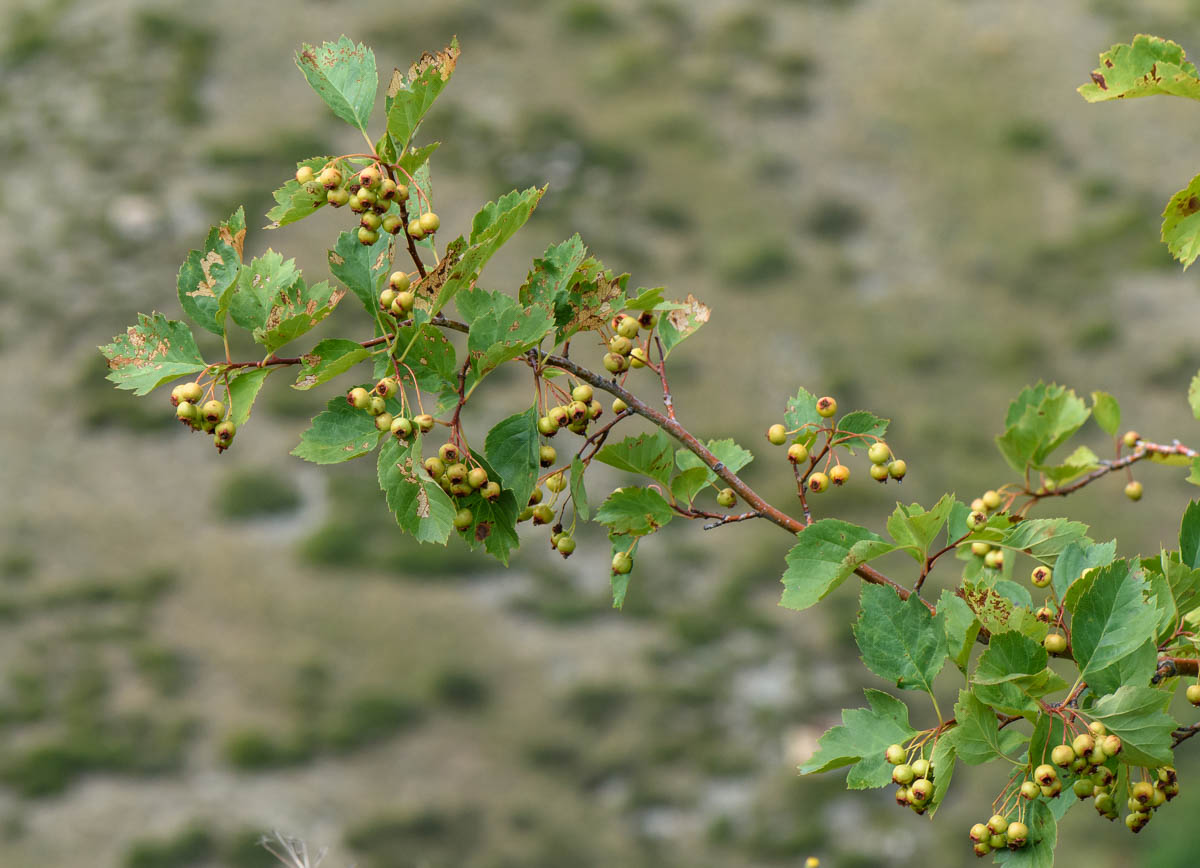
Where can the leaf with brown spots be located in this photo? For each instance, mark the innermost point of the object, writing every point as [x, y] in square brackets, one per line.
[678, 325]
[343, 75]
[410, 97]
[296, 310]
[208, 274]
[419, 504]
[1145, 67]
[155, 351]
[1181, 223]
[328, 359]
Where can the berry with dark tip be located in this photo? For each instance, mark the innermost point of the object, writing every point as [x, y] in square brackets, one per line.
[565, 545]
[1030, 791]
[818, 482]
[879, 472]
[186, 412]
[448, 452]
[543, 514]
[371, 220]
[434, 466]
[547, 455]
[337, 197]
[980, 832]
[546, 427]
[367, 236]
[384, 421]
[392, 224]
[726, 498]
[1041, 576]
[997, 824]
[1062, 755]
[415, 230]
[402, 428]
[430, 223]
[224, 431]
[1045, 774]
[826, 407]
[212, 412]
[1017, 834]
[330, 177]
[838, 474]
[535, 497]
[798, 452]
[456, 473]
[921, 790]
[358, 398]
[376, 406]
[424, 421]
[615, 363]
[399, 281]
[895, 754]
[386, 387]
[463, 519]
[975, 520]
[477, 477]
[491, 491]
[619, 406]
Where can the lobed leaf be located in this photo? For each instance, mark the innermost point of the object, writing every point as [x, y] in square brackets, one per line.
[420, 506]
[512, 450]
[337, 434]
[899, 639]
[244, 387]
[977, 735]
[328, 359]
[678, 324]
[826, 553]
[1110, 619]
[862, 741]
[1147, 66]
[208, 274]
[1181, 228]
[634, 511]
[410, 96]
[1041, 419]
[295, 201]
[1138, 715]
[343, 75]
[155, 351]
[1107, 412]
[646, 455]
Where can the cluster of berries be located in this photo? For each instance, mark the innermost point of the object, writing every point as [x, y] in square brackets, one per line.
[574, 416]
[914, 780]
[209, 417]
[884, 465]
[998, 833]
[371, 194]
[397, 298]
[622, 353]
[981, 508]
[375, 403]
[449, 469]
[543, 513]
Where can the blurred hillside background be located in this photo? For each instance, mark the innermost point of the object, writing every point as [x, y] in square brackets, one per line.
[905, 205]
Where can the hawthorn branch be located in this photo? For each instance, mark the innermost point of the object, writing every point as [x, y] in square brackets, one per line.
[1144, 449]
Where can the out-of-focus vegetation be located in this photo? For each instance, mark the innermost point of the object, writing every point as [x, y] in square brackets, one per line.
[898, 204]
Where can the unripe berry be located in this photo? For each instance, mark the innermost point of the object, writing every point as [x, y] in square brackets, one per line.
[879, 453]
[1041, 576]
[1105, 803]
[424, 421]
[647, 319]
[547, 456]
[1142, 792]
[902, 797]
[991, 499]
[1062, 755]
[305, 175]
[402, 428]
[358, 398]
[897, 469]
[620, 345]
[982, 848]
[976, 520]
[399, 281]
[369, 177]
[921, 767]
[366, 196]
[980, 832]
[415, 230]
[1130, 439]
[330, 177]
[628, 327]
[525, 514]
[177, 395]
[490, 491]
[994, 559]
[212, 411]
[977, 505]
[1045, 774]
[1053, 789]
[1017, 834]
[386, 297]
[190, 392]
[979, 549]
[818, 482]
[578, 411]
[595, 410]
[477, 477]
[583, 392]
[384, 421]
[777, 434]
[224, 431]
[435, 467]
[895, 754]
[565, 545]
[997, 824]
[542, 514]
[920, 791]
[376, 405]
[559, 416]
[1030, 791]
[1193, 694]
[1102, 776]
[430, 223]
[338, 197]
[826, 407]
[1083, 788]
[615, 363]
[557, 482]
[463, 519]
[638, 358]
[386, 387]
[578, 427]
[456, 473]
[1134, 490]
[370, 220]
[798, 452]
[726, 498]
[1055, 643]
[619, 406]
[186, 412]
[356, 205]
[838, 474]
[406, 300]
[367, 236]
[622, 563]
[1097, 729]
[388, 189]
[1045, 614]
[535, 497]
[1083, 744]
[1159, 799]
[879, 472]
[392, 224]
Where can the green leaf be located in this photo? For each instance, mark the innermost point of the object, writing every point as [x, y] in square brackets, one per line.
[1189, 535]
[867, 426]
[1147, 66]
[1138, 716]
[494, 523]
[430, 355]
[343, 75]
[295, 201]
[362, 268]
[1043, 836]
[652, 299]
[548, 281]
[942, 761]
[578, 492]
[802, 411]
[634, 511]
[1110, 617]
[1194, 476]
[258, 284]
[688, 483]
[491, 227]
[328, 359]
[620, 583]
[960, 626]
[207, 274]
[729, 453]
[1082, 460]
[1012, 674]
[502, 329]
[914, 529]
[977, 736]
[1077, 557]
[647, 455]
[155, 351]
[512, 449]
[416, 158]
[862, 741]
[1181, 228]
[898, 638]
[1044, 538]
[681, 323]
[338, 434]
[243, 389]
[295, 311]
[419, 504]
[1041, 419]
[1194, 396]
[411, 96]
[593, 296]
[1107, 412]
[825, 554]
[1135, 668]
